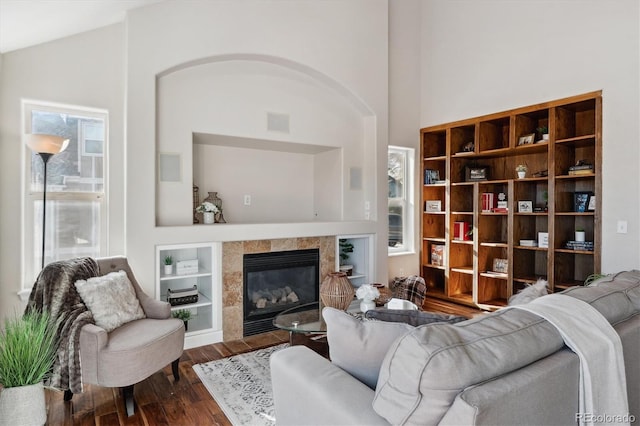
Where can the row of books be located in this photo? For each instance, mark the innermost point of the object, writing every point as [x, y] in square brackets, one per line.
[581, 169]
[579, 245]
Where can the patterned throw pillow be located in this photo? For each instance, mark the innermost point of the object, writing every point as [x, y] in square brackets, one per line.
[111, 299]
[411, 288]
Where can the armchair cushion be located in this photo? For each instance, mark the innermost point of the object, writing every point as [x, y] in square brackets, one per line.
[111, 300]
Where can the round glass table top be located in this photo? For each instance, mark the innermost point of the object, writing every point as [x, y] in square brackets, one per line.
[305, 318]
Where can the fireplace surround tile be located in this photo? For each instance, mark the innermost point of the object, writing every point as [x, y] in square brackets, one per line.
[232, 254]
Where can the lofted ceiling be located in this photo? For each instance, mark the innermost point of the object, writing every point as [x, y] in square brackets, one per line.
[25, 23]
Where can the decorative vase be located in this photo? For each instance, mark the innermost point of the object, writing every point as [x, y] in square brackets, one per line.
[336, 291]
[168, 269]
[186, 325]
[23, 405]
[216, 201]
[521, 175]
[366, 304]
[545, 136]
[209, 217]
[580, 235]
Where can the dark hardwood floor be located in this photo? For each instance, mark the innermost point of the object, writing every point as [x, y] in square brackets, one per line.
[161, 401]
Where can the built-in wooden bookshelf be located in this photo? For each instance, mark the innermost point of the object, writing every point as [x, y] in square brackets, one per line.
[465, 159]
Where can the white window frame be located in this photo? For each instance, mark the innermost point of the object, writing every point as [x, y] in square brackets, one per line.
[29, 195]
[407, 202]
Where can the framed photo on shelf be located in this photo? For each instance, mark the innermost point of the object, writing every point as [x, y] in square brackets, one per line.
[525, 206]
[526, 139]
[431, 176]
[433, 206]
[581, 201]
[500, 265]
[476, 173]
[591, 207]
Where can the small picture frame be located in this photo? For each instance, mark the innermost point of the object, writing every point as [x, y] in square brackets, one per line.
[500, 265]
[476, 173]
[433, 206]
[581, 201]
[431, 176]
[525, 206]
[526, 139]
[592, 204]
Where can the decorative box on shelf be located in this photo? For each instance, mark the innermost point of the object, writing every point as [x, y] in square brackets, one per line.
[182, 296]
[185, 267]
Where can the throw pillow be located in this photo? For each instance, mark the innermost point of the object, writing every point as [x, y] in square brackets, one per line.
[411, 288]
[414, 318]
[530, 292]
[111, 300]
[359, 347]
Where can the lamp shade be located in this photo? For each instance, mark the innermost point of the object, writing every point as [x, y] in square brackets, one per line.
[46, 144]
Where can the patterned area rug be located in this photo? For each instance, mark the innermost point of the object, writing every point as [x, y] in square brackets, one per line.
[241, 385]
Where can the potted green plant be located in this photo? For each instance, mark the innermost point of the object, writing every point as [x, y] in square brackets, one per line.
[168, 265]
[345, 248]
[544, 132]
[184, 315]
[27, 352]
[521, 169]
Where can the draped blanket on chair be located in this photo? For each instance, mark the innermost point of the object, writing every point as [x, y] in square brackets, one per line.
[55, 292]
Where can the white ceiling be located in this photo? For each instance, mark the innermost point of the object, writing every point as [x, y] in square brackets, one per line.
[25, 23]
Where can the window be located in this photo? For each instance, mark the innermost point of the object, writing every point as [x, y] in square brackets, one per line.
[76, 221]
[400, 177]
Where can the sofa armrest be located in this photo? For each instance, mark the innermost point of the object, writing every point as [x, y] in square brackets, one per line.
[308, 389]
[154, 309]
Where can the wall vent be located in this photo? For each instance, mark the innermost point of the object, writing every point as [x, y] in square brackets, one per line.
[277, 122]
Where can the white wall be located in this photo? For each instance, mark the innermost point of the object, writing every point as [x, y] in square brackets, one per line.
[233, 97]
[329, 37]
[480, 57]
[83, 70]
[404, 108]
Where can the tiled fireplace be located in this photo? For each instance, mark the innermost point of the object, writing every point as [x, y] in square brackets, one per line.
[232, 278]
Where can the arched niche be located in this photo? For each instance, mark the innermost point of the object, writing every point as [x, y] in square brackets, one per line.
[285, 134]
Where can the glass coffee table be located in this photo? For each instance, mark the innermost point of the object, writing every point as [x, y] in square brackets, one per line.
[306, 325]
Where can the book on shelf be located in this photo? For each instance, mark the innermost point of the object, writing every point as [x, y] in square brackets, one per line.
[461, 231]
[488, 202]
[437, 254]
[579, 245]
[580, 172]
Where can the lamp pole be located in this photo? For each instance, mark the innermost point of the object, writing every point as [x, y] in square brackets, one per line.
[45, 159]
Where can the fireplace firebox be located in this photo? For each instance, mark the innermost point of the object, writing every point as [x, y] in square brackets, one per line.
[276, 281]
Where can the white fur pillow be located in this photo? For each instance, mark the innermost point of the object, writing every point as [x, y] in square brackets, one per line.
[111, 299]
[530, 292]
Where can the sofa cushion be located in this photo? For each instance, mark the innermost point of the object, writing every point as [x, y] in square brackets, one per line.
[425, 369]
[111, 299]
[358, 347]
[411, 317]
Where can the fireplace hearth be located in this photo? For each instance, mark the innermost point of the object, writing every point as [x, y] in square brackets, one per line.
[276, 281]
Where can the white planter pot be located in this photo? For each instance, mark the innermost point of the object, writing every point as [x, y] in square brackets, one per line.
[580, 236]
[545, 137]
[168, 269]
[23, 405]
[209, 217]
[521, 175]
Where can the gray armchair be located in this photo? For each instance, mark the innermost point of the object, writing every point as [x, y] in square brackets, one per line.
[134, 351]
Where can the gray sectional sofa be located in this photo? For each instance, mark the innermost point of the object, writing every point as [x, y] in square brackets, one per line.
[504, 368]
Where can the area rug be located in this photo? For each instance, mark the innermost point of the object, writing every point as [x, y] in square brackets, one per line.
[241, 385]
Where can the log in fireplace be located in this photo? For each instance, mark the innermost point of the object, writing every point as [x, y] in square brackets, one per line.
[276, 281]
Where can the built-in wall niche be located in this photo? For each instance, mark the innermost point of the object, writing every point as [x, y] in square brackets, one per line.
[269, 181]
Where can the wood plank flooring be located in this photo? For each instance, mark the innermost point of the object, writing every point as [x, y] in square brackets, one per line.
[161, 401]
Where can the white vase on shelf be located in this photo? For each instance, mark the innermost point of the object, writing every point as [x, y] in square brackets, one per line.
[367, 304]
[209, 217]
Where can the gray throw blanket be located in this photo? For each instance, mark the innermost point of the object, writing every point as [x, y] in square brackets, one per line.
[55, 292]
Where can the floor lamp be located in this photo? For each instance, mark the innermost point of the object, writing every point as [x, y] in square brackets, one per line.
[45, 146]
